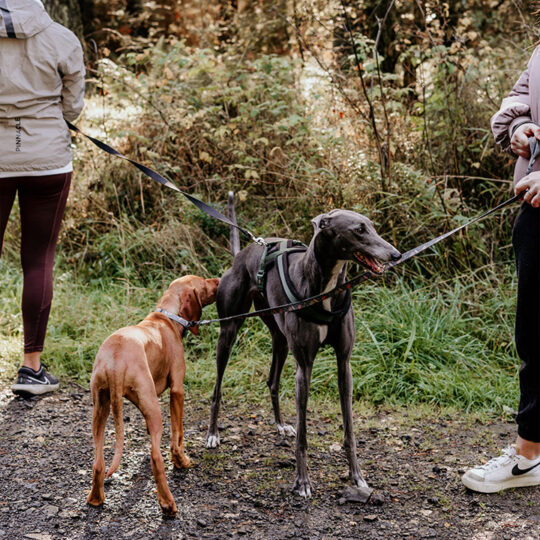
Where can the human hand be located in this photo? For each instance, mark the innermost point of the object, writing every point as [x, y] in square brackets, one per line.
[530, 184]
[520, 139]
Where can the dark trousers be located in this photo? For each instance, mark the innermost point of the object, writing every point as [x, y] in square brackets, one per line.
[42, 200]
[526, 240]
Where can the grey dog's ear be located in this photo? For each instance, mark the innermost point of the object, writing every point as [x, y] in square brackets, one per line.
[320, 222]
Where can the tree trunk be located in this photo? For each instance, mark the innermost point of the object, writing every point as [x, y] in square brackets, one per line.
[68, 13]
[415, 36]
[375, 19]
[262, 26]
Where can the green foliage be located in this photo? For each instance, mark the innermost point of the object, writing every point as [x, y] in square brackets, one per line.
[444, 344]
[211, 123]
[459, 86]
[236, 122]
[216, 119]
[440, 345]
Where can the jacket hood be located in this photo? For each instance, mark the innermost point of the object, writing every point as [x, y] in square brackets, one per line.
[22, 19]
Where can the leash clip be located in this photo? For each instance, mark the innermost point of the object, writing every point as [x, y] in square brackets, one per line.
[259, 240]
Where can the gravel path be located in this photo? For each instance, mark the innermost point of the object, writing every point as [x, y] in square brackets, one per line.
[412, 458]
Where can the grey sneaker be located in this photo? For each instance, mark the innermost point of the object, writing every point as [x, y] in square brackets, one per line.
[506, 471]
[34, 383]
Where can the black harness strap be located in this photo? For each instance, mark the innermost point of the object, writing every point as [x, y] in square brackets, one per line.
[277, 253]
[272, 251]
[316, 313]
[8, 21]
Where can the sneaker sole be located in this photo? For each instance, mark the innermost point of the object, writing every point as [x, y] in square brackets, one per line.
[494, 487]
[28, 390]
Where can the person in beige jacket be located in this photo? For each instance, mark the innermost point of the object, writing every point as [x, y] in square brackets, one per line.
[41, 85]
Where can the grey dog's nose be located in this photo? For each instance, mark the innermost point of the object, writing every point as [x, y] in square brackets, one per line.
[396, 255]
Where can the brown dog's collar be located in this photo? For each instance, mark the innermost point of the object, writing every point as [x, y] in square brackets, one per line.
[175, 318]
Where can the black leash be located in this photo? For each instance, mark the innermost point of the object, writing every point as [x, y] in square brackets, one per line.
[306, 302]
[154, 175]
[369, 274]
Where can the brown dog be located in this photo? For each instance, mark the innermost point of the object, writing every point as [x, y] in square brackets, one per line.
[140, 362]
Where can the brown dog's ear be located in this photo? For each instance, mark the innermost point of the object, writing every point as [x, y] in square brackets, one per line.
[211, 290]
[190, 307]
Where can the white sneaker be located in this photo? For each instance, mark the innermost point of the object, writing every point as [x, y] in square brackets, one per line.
[506, 471]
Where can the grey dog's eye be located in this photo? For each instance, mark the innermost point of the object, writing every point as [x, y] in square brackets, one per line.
[361, 229]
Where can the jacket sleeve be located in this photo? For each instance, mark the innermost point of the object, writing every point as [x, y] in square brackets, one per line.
[515, 109]
[72, 72]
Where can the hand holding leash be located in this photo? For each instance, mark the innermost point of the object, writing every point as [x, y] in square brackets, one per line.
[529, 186]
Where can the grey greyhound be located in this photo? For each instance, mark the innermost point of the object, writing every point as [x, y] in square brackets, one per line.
[340, 236]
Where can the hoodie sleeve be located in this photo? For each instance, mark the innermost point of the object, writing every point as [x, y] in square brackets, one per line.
[72, 72]
[515, 109]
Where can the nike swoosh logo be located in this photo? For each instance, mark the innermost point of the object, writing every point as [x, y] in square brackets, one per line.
[37, 380]
[516, 471]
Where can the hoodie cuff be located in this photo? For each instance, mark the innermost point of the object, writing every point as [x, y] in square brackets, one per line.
[519, 121]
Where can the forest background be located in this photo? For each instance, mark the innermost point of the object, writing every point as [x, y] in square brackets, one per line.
[299, 107]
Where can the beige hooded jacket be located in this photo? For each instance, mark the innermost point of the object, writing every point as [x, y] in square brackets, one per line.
[41, 83]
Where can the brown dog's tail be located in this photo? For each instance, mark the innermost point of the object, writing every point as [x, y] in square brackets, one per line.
[117, 406]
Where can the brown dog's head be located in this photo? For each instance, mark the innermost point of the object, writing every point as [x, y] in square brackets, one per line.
[188, 295]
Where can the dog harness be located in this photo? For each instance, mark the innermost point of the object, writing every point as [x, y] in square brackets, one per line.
[277, 253]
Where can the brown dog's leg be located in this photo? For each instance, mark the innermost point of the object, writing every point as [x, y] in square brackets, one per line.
[178, 456]
[100, 414]
[149, 406]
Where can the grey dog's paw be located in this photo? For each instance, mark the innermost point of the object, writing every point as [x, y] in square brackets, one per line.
[360, 494]
[358, 481]
[285, 430]
[302, 487]
[212, 441]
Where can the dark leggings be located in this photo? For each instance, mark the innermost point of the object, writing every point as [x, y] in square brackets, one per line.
[42, 200]
[526, 239]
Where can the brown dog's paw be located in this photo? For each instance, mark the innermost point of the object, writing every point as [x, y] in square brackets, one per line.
[94, 500]
[181, 462]
[169, 509]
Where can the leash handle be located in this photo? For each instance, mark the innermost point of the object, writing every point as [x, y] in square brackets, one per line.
[534, 147]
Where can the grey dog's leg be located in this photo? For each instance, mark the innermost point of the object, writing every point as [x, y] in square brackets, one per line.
[343, 354]
[280, 349]
[227, 336]
[232, 298]
[302, 483]
[279, 355]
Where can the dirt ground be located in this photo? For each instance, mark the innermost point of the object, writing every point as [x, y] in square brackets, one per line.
[413, 458]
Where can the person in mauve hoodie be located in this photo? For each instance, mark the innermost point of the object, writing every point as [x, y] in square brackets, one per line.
[516, 121]
[41, 84]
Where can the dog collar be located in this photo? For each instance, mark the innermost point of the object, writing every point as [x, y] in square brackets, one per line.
[173, 317]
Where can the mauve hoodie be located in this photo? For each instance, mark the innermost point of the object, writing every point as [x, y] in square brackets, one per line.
[41, 83]
[521, 105]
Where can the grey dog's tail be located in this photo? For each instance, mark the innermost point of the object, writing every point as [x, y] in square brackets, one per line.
[235, 235]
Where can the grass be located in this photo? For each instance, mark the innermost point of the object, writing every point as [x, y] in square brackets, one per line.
[446, 344]
[419, 340]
